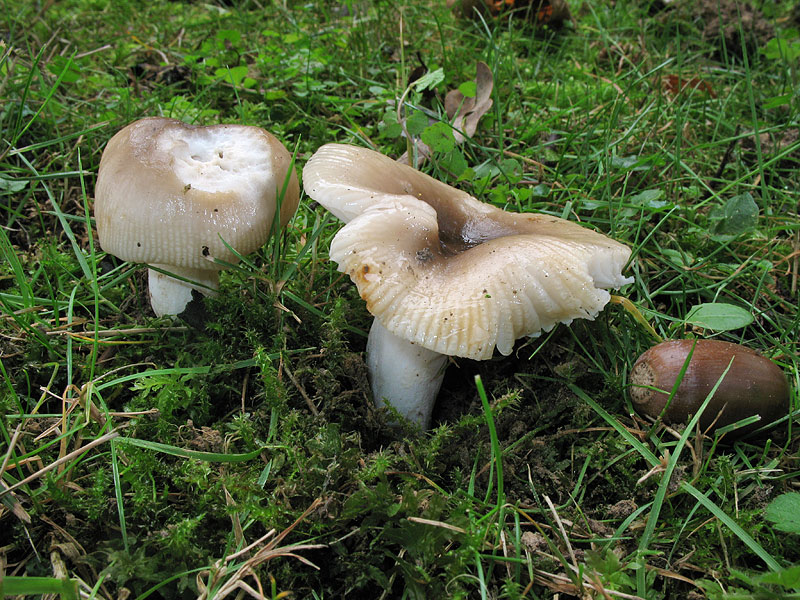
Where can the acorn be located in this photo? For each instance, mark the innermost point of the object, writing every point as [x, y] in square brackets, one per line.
[754, 385]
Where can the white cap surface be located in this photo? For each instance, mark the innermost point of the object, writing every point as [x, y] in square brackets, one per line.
[167, 192]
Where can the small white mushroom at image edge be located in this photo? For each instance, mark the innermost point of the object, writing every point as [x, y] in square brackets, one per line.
[447, 275]
[175, 196]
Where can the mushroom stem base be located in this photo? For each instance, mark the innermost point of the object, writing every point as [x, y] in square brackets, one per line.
[404, 375]
[169, 296]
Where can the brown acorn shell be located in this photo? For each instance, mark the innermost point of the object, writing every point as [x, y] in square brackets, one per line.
[754, 385]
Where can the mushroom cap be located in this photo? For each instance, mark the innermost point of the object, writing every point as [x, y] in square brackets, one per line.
[347, 180]
[445, 271]
[167, 192]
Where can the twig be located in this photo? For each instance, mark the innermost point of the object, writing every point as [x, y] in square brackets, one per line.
[728, 151]
[302, 391]
[441, 524]
[113, 332]
[11, 445]
[527, 160]
[15, 505]
[90, 52]
[562, 530]
[268, 551]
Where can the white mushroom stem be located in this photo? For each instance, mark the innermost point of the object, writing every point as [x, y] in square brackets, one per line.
[403, 374]
[169, 296]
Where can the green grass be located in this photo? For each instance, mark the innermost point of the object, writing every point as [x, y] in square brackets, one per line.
[143, 454]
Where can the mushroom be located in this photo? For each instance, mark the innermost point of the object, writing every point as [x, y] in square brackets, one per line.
[176, 196]
[538, 12]
[446, 275]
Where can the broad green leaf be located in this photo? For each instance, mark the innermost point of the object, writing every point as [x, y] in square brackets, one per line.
[788, 577]
[650, 199]
[389, 126]
[234, 75]
[719, 316]
[541, 190]
[416, 123]
[11, 185]
[784, 512]
[739, 215]
[66, 67]
[624, 162]
[512, 169]
[292, 38]
[230, 37]
[454, 162]
[430, 80]
[676, 257]
[782, 49]
[777, 101]
[647, 196]
[468, 89]
[439, 137]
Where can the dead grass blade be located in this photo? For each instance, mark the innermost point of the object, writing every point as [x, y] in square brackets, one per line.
[221, 580]
[64, 459]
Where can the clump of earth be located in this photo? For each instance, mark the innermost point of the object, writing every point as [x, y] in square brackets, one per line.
[731, 26]
[740, 26]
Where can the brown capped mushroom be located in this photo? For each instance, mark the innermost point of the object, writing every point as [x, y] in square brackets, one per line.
[447, 275]
[173, 195]
[539, 12]
[754, 385]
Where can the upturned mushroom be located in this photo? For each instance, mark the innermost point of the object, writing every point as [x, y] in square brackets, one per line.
[447, 275]
[177, 196]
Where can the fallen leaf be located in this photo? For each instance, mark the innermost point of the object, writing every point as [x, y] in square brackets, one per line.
[465, 112]
[675, 84]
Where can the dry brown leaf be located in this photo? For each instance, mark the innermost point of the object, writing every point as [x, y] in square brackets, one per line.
[675, 84]
[463, 112]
